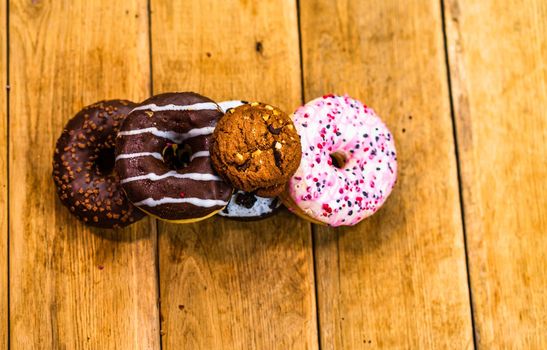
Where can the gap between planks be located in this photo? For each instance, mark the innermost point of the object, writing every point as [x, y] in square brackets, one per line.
[7, 213]
[458, 169]
[156, 224]
[312, 228]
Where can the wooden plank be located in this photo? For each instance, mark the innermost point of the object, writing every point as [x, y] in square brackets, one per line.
[4, 180]
[397, 280]
[226, 284]
[73, 287]
[498, 54]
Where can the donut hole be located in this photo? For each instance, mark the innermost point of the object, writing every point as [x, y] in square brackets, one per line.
[177, 156]
[339, 159]
[105, 161]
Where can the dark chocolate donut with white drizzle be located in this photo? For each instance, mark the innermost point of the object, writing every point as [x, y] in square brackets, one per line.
[162, 157]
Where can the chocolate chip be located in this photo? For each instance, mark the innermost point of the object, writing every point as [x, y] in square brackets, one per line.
[274, 130]
[277, 158]
[245, 199]
[244, 166]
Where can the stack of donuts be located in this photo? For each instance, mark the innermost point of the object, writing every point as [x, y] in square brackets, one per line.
[182, 157]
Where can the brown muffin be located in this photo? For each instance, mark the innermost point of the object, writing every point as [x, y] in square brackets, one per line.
[272, 191]
[256, 148]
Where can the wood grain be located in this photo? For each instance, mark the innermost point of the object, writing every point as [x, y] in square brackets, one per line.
[498, 54]
[226, 284]
[73, 287]
[397, 280]
[3, 180]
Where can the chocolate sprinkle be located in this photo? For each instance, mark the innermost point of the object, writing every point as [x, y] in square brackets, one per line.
[83, 167]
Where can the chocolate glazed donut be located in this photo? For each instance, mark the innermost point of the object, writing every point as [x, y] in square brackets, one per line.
[182, 193]
[83, 166]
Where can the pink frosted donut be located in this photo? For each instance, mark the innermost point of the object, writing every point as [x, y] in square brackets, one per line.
[349, 164]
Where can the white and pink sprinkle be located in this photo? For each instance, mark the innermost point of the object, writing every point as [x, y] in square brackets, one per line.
[342, 196]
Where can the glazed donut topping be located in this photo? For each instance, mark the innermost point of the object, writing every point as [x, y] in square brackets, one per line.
[150, 146]
[349, 164]
[83, 166]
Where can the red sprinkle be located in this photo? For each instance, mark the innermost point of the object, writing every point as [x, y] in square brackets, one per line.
[182, 194]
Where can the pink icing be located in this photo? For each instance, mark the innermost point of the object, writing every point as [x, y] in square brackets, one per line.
[347, 195]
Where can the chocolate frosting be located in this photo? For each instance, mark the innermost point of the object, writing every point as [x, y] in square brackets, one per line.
[188, 120]
[83, 166]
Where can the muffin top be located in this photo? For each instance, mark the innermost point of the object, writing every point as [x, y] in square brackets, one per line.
[256, 148]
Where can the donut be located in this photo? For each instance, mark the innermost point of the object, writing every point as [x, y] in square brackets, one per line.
[162, 156]
[256, 148]
[349, 162]
[247, 206]
[83, 167]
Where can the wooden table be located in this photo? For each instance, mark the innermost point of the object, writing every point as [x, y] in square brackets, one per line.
[456, 259]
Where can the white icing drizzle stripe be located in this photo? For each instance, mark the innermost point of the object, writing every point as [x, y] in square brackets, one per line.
[206, 203]
[171, 107]
[156, 177]
[139, 154]
[226, 105]
[200, 154]
[170, 135]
